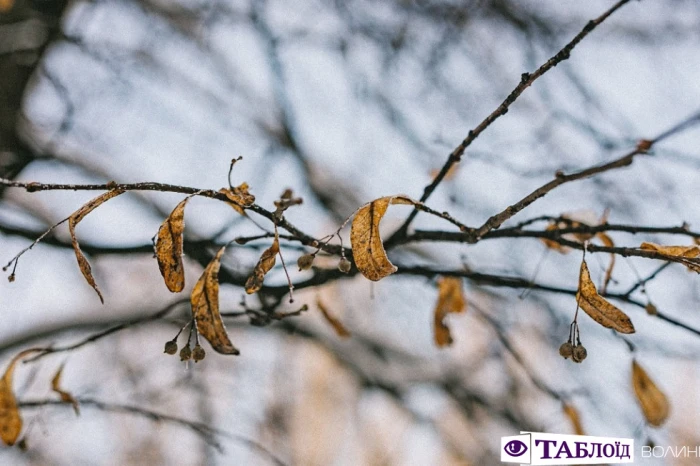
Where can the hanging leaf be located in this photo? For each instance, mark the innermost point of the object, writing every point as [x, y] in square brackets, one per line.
[73, 220]
[10, 418]
[450, 300]
[654, 403]
[367, 247]
[205, 308]
[333, 321]
[597, 307]
[551, 244]
[239, 197]
[607, 241]
[65, 396]
[573, 415]
[264, 265]
[682, 252]
[169, 248]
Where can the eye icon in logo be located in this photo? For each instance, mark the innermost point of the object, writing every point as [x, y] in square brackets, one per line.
[515, 448]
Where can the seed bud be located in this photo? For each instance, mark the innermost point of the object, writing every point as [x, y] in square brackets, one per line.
[566, 350]
[170, 347]
[580, 353]
[198, 353]
[305, 262]
[185, 353]
[344, 265]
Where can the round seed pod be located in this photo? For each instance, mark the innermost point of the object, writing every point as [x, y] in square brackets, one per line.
[580, 353]
[170, 347]
[566, 350]
[305, 262]
[198, 353]
[185, 353]
[344, 265]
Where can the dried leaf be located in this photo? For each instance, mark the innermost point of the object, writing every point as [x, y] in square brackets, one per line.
[169, 248]
[331, 319]
[205, 307]
[551, 244]
[654, 403]
[573, 415]
[239, 197]
[682, 252]
[65, 396]
[264, 265]
[450, 300]
[607, 241]
[73, 220]
[10, 419]
[367, 247]
[6, 5]
[597, 307]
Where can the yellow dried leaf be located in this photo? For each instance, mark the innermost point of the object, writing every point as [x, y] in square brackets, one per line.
[239, 197]
[65, 396]
[333, 321]
[6, 5]
[654, 403]
[573, 415]
[683, 252]
[73, 220]
[264, 265]
[607, 241]
[205, 307]
[450, 300]
[367, 247]
[10, 418]
[169, 248]
[551, 244]
[597, 307]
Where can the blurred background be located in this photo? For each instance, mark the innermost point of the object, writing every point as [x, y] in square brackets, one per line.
[343, 102]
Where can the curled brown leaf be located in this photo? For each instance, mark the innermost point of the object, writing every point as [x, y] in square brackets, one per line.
[169, 246]
[653, 401]
[264, 265]
[572, 413]
[450, 300]
[10, 418]
[65, 396]
[73, 220]
[239, 197]
[367, 247]
[337, 325]
[680, 252]
[597, 307]
[205, 308]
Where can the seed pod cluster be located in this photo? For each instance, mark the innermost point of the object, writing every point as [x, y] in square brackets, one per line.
[576, 352]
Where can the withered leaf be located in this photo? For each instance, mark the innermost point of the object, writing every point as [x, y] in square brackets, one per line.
[337, 325]
[367, 247]
[450, 300]
[239, 197]
[73, 220]
[205, 307]
[572, 413]
[654, 403]
[264, 265]
[551, 244]
[169, 248]
[597, 307]
[607, 241]
[65, 396]
[682, 252]
[6, 5]
[10, 418]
